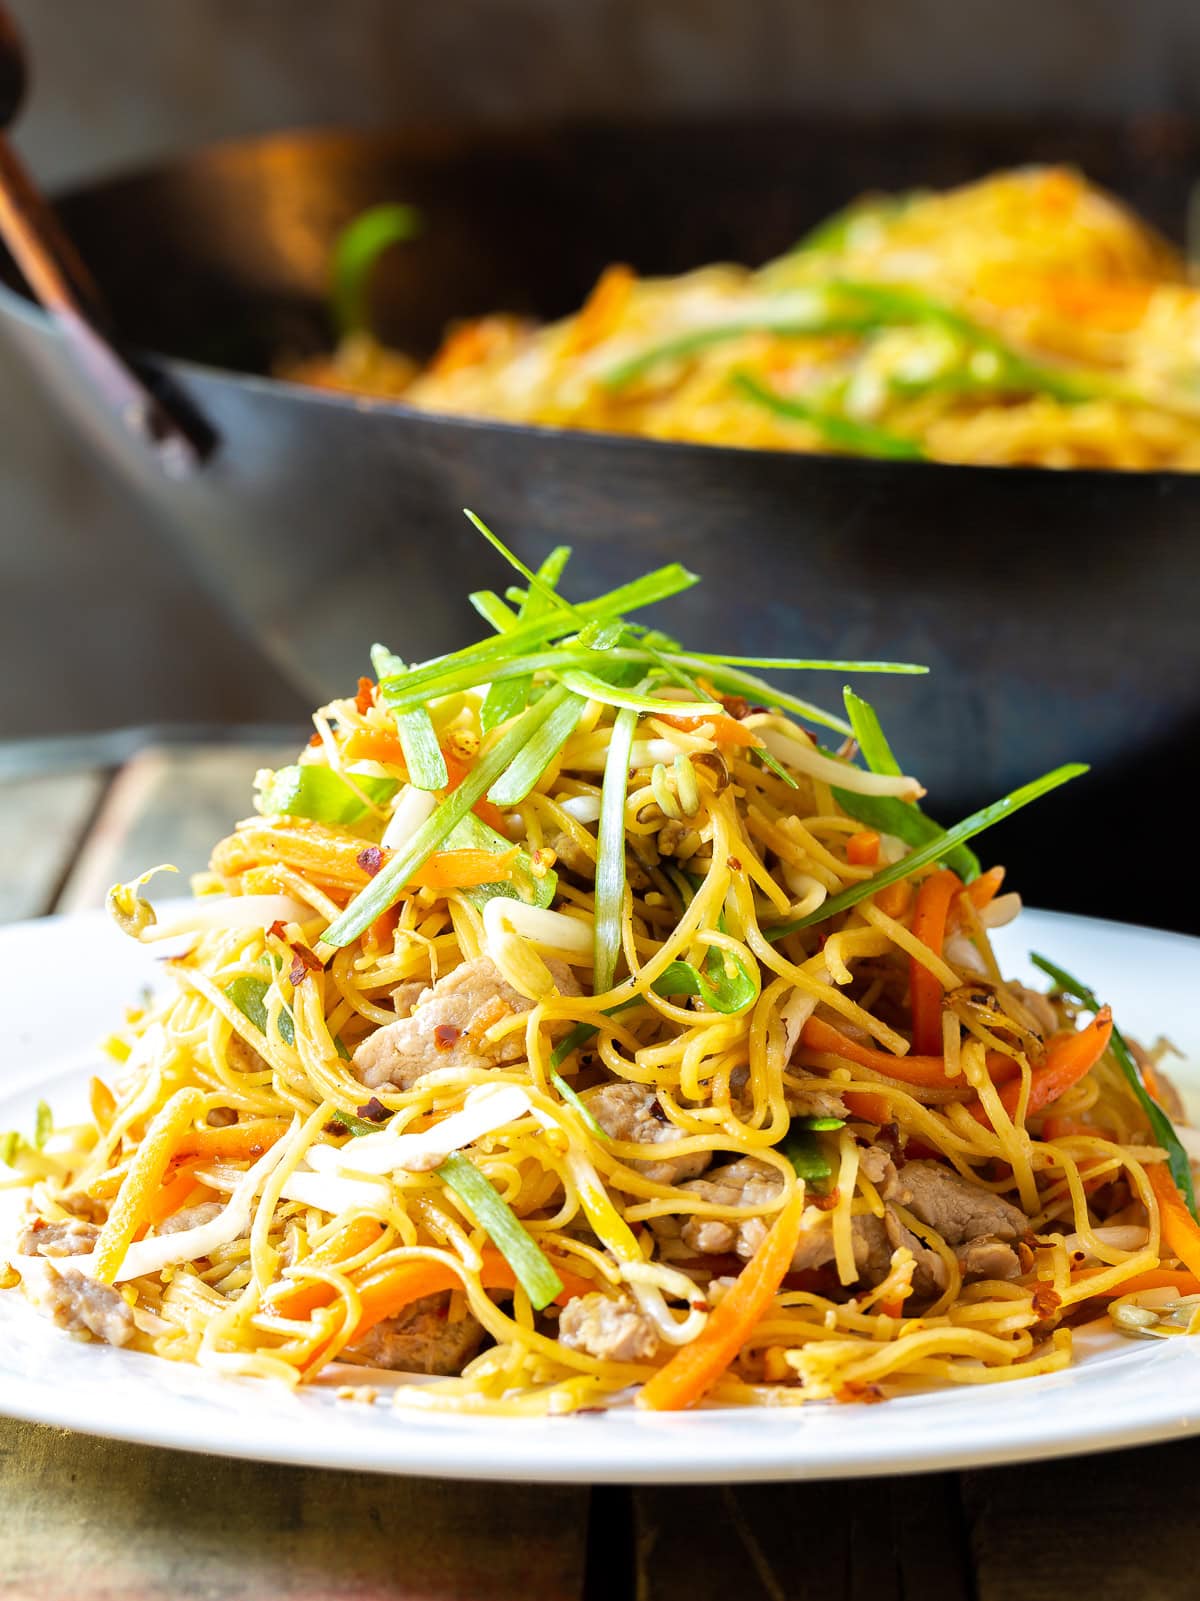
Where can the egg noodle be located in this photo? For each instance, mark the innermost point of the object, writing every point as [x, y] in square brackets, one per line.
[1026, 318]
[570, 1026]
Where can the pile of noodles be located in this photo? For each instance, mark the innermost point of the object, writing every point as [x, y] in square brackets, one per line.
[717, 843]
[1052, 328]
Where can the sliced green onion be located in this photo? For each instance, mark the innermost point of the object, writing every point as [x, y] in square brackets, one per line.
[384, 889]
[10, 1147]
[43, 1125]
[355, 253]
[573, 1101]
[531, 762]
[422, 754]
[495, 612]
[801, 664]
[734, 681]
[579, 1035]
[725, 986]
[314, 791]
[535, 889]
[610, 851]
[1164, 1130]
[357, 1126]
[249, 995]
[594, 688]
[936, 850]
[864, 438]
[807, 1155]
[833, 235]
[885, 813]
[502, 1226]
[787, 325]
[508, 699]
[819, 1125]
[537, 584]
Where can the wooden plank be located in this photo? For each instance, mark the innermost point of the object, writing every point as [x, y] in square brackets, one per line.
[1121, 1526]
[41, 823]
[92, 1520]
[168, 804]
[864, 1540]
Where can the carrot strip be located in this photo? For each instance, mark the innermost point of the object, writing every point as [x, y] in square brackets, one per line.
[929, 925]
[1069, 1058]
[981, 892]
[929, 1071]
[695, 1368]
[869, 1107]
[862, 849]
[145, 1175]
[484, 809]
[893, 900]
[173, 1193]
[1061, 1128]
[463, 869]
[1179, 1229]
[1156, 1278]
[297, 1300]
[726, 730]
[373, 745]
[387, 1292]
[240, 1142]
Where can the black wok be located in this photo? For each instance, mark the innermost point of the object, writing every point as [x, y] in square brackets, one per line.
[1057, 610]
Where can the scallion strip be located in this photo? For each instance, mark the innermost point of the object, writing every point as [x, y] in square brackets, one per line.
[610, 851]
[494, 1215]
[593, 688]
[385, 888]
[573, 1101]
[734, 681]
[844, 432]
[494, 611]
[1164, 1130]
[935, 851]
[511, 696]
[530, 763]
[422, 753]
[356, 252]
[868, 731]
[800, 664]
[785, 326]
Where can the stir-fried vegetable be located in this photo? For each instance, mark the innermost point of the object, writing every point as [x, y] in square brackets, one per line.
[323, 796]
[356, 253]
[610, 852]
[493, 1214]
[1163, 1129]
[423, 756]
[249, 995]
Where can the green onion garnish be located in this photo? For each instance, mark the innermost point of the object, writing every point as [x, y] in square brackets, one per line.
[422, 754]
[530, 763]
[312, 790]
[384, 889]
[494, 1215]
[355, 253]
[508, 699]
[43, 1125]
[839, 430]
[573, 1101]
[725, 985]
[1164, 1130]
[807, 1155]
[249, 995]
[935, 851]
[885, 813]
[610, 851]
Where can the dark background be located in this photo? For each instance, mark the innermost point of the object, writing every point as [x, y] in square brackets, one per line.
[99, 625]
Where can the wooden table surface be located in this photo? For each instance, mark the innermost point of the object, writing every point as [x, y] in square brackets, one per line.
[83, 1519]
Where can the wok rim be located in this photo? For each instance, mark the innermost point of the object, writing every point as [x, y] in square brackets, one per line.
[23, 308]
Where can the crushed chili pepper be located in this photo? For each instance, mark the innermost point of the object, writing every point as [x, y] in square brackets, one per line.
[374, 1111]
[446, 1036]
[371, 859]
[364, 700]
[1046, 1300]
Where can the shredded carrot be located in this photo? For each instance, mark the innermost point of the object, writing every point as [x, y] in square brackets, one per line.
[1069, 1058]
[601, 310]
[726, 730]
[1061, 1128]
[862, 849]
[173, 1194]
[381, 934]
[1179, 1230]
[386, 1292]
[240, 1142]
[1155, 1278]
[695, 1368]
[929, 925]
[981, 892]
[893, 900]
[103, 1104]
[161, 1142]
[483, 809]
[1150, 1079]
[923, 1069]
[297, 1300]
[462, 869]
[871, 1108]
[373, 745]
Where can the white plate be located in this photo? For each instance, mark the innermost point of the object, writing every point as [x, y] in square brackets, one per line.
[66, 981]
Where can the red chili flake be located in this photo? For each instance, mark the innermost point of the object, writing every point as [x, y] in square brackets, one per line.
[823, 1203]
[364, 700]
[315, 739]
[446, 1036]
[374, 1111]
[298, 973]
[370, 859]
[736, 705]
[866, 1394]
[278, 929]
[734, 865]
[1046, 1300]
[303, 961]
